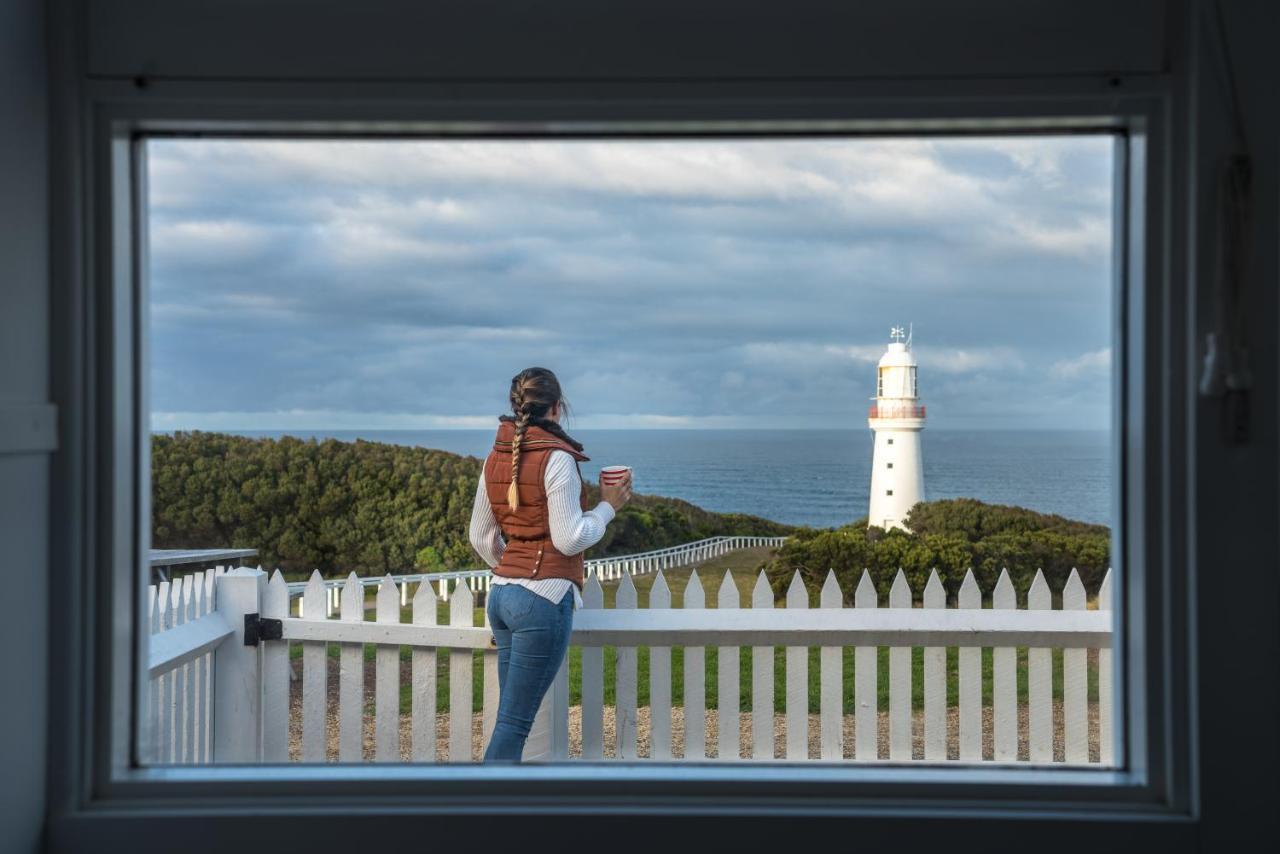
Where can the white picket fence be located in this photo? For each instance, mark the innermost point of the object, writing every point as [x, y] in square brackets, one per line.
[184, 631]
[608, 568]
[251, 723]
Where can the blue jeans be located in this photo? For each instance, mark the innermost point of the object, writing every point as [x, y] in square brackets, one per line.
[532, 636]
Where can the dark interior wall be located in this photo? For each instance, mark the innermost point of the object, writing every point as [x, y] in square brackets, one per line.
[24, 393]
[1235, 495]
[621, 39]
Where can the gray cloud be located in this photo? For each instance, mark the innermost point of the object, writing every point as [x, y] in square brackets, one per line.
[700, 283]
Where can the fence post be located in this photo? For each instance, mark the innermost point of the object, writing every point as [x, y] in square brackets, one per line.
[237, 671]
[560, 712]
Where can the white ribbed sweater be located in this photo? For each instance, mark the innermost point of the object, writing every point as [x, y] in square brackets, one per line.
[573, 530]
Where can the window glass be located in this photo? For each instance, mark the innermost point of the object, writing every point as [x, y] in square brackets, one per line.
[334, 330]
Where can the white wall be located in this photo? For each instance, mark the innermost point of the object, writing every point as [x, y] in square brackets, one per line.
[24, 387]
[906, 478]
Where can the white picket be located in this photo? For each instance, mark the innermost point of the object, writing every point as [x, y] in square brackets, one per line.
[660, 681]
[150, 735]
[167, 682]
[1106, 736]
[461, 613]
[206, 749]
[386, 683]
[191, 591]
[900, 679]
[315, 676]
[424, 678]
[1004, 680]
[695, 681]
[797, 679]
[729, 723]
[490, 693]
[181, 702]
[275, 675]
[625, 715]
[935, 679]
[1075, 711]
[1039, 681]
[762, 679]
[865, 692]
[970, 677]
[351, 676]
[831, 677]
[592, 679]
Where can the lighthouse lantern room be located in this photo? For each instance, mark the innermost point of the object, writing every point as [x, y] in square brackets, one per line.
[896, 421]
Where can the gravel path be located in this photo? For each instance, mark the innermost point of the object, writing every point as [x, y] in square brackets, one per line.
[712, 724]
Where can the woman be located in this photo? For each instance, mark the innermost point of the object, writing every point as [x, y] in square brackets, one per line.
[531, 524]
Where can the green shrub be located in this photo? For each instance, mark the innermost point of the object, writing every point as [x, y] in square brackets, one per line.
[367, 507]
[950, 536]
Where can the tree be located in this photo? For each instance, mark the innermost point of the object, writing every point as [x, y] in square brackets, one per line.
[950, 536]
[429, 560]
[367, 507]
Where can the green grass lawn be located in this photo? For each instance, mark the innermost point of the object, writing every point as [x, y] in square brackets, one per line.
[711, 575]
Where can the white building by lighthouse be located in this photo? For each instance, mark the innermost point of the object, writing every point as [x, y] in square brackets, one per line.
[896, 420]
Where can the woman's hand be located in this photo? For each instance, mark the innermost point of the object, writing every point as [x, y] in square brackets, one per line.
[618, 494]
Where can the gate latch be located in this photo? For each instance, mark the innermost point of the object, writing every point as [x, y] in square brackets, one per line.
[261, 628]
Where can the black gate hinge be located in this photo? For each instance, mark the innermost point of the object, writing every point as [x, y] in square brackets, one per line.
[261, 628]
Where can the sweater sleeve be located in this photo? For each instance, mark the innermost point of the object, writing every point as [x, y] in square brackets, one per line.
[485, 535]
[573, 530]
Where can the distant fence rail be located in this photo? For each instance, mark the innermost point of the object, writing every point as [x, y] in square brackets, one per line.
[608, 568]
[213, 697]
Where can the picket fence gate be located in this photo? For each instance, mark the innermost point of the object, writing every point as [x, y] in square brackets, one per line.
[215, 699]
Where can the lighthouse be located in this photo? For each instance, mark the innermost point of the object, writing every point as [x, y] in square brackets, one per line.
[896, 420]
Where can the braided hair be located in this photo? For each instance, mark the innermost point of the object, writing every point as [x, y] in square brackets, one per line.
[533, 392]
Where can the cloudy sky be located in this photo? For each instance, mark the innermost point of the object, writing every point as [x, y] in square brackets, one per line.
[711, 283]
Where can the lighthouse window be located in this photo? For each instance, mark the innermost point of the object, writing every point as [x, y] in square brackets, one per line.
[888, 492]
[889, 465]
[889, 441]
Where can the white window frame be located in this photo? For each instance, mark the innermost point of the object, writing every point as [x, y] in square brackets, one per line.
[101, 799]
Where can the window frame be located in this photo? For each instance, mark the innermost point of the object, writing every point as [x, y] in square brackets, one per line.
[97, 784]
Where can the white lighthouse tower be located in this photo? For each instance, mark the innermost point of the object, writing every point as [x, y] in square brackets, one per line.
[896, 419]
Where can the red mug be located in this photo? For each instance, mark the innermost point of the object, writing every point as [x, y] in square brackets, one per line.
[613, 475]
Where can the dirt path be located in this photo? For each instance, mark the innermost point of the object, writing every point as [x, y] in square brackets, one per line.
[677, 714]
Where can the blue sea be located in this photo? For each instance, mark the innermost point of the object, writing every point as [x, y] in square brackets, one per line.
[820, 477]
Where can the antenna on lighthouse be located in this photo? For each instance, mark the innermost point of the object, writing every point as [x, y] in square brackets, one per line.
[910, 329]
[896, 333]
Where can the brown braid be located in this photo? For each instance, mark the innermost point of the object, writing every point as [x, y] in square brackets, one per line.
[533, 392]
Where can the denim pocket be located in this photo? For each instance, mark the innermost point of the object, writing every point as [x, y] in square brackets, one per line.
[519, 601]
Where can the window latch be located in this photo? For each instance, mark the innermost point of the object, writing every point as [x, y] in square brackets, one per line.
[261, 628]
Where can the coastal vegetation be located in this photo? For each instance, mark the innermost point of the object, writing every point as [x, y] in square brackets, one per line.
[367, 507]
[951, 536]
[375, 508]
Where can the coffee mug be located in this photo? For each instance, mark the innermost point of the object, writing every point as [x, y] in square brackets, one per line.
[613, 475]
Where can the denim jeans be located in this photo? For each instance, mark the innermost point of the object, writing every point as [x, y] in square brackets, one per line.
[532, 636]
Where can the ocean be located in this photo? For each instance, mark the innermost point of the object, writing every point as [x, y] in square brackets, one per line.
[820, 477]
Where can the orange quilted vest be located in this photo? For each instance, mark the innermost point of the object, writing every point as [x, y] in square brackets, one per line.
[530, 553]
